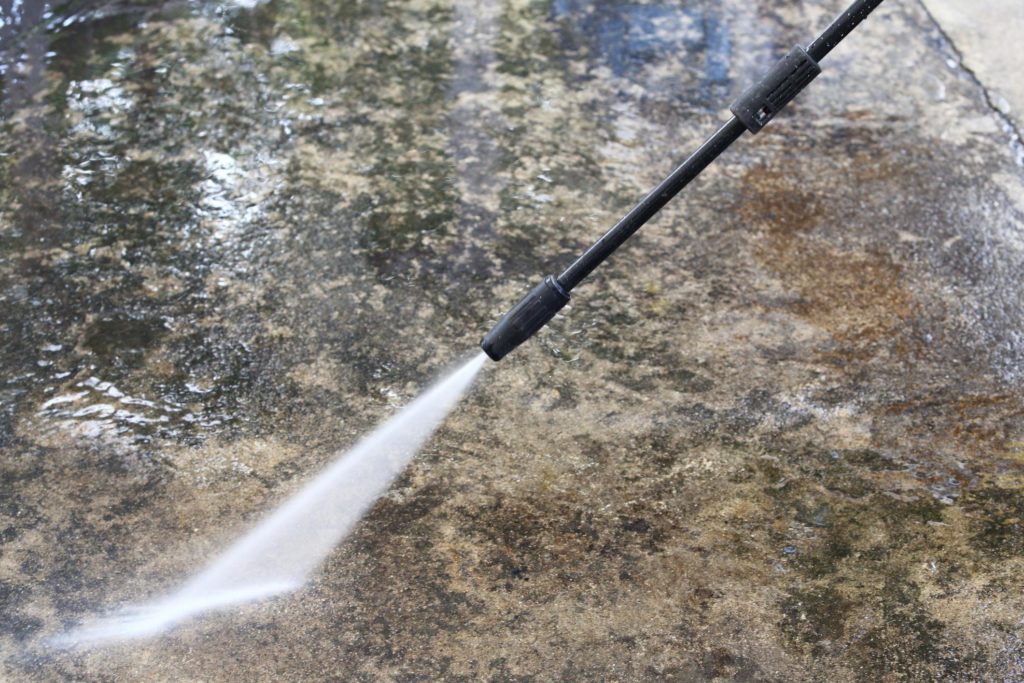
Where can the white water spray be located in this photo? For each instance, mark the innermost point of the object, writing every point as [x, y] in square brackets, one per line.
[280, 553]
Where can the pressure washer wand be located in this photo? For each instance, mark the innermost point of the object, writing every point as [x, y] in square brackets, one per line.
[752, 111]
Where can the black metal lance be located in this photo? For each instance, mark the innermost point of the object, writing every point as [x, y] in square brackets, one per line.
[757, 106]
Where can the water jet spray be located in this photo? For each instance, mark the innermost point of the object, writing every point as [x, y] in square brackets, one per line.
[757, 106]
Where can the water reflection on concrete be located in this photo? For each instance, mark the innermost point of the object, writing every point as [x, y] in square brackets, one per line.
[779, 436]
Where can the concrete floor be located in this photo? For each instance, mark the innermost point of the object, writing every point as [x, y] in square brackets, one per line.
[987, 36]
[779, 437]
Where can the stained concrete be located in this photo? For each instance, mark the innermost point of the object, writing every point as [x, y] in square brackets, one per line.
[779, 437]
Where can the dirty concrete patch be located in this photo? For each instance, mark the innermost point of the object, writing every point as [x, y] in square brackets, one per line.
[777, 437]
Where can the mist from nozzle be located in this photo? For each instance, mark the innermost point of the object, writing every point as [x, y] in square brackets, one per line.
[279, 554]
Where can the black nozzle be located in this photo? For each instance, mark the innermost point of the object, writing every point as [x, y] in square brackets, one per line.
[535, 311]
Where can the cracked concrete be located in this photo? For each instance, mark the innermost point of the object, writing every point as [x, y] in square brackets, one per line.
[987, 37]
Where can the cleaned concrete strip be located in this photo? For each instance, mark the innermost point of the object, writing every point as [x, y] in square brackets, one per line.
[988, 37]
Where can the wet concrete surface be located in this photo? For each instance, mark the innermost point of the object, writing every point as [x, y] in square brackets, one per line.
[781, 436]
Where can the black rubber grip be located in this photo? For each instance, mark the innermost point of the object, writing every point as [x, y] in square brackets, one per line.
[761, 102]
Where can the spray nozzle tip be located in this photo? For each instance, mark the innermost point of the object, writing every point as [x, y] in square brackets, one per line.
[523, 320]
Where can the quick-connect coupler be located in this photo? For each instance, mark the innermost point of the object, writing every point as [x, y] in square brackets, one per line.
[761, 102]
